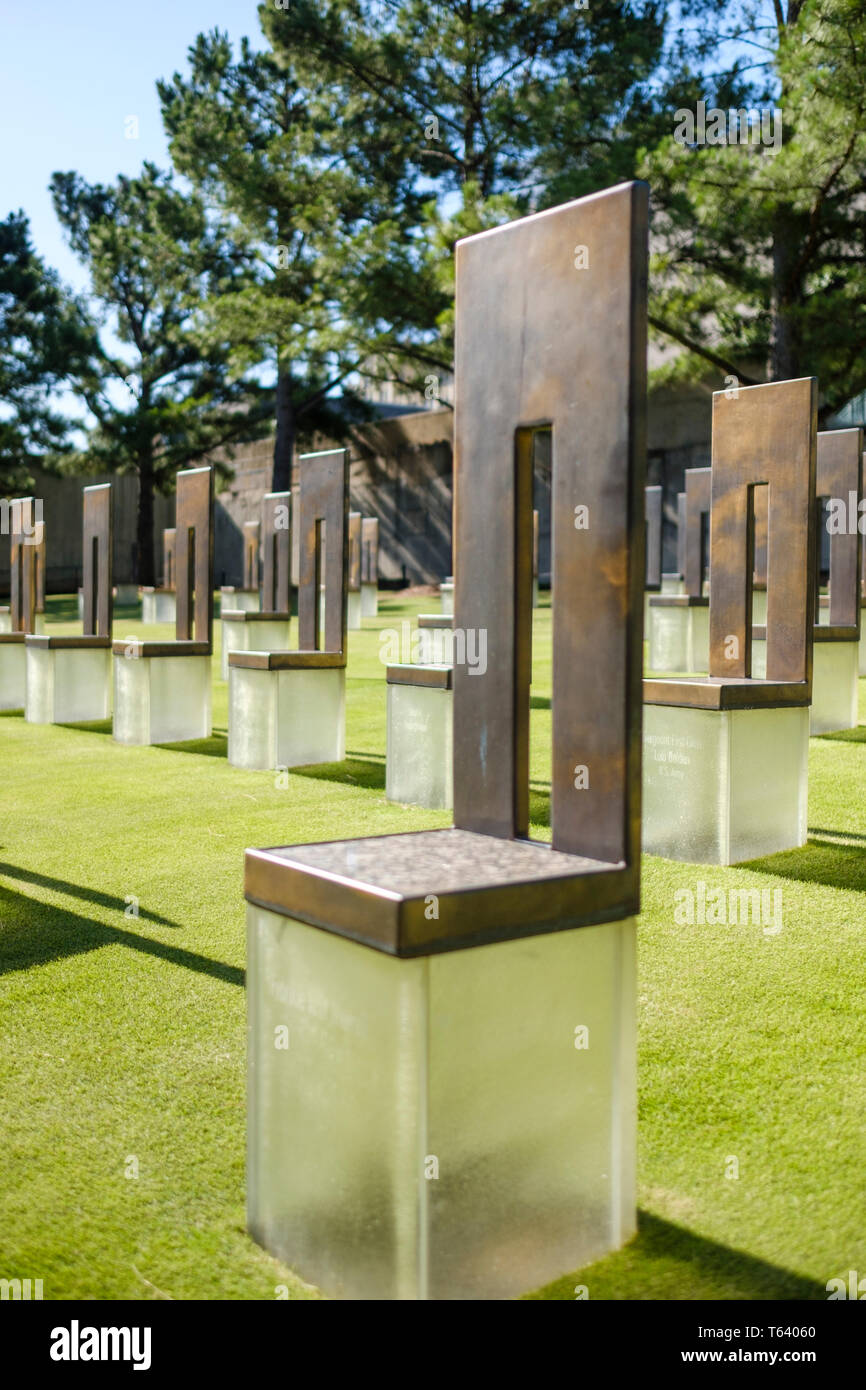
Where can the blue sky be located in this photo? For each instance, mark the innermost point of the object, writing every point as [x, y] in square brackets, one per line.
[71, 72]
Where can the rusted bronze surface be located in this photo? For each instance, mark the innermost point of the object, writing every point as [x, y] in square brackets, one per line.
[438, 677]
[436, 621]
[277, 552]
[370, 550]
[377, 890]
[540, 344]
[169, 568]
[679, 601]
[354, 551]
[763, 437]
[133, 648]
[98, 549]
[681, 534]
[39, 563]
[252, 564]
[698, 485]
[54, 643]
[839, 475]
[324, 508]
[194, 556]
[24, 539]
[653, 505]
[287, 661]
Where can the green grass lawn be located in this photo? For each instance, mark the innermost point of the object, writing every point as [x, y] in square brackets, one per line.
[123, 1016]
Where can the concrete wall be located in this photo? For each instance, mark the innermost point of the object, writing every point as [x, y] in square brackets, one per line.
[400, 471]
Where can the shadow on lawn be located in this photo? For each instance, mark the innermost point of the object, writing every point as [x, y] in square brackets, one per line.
[357, 771]
[687, 1266]
[217, 746]
[857, 735]
[77, 890]
[35, 932]
[821, 861]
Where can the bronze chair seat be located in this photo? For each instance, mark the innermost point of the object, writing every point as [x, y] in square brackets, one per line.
[76, 639]
[439, 677]
[726, 693]
[236, 615]
[287, 661]
[151, 649]
[839, 633]
[380, 890]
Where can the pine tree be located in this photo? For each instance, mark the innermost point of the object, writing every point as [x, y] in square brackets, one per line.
[159, 388]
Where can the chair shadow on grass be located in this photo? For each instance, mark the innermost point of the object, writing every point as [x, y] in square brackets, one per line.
[827, 862]
[35, 932]
[857, 735]
[688, 1267]
[358, 770]
[217, 746]
[78, 890]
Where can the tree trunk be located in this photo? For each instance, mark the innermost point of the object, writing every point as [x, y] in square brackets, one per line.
[785, 353]
[284, 443]
[144, 531]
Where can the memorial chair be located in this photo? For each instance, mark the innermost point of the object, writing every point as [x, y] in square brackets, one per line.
[725, 756]
[437, 1128]
[159, 604]
[25, 535]
[370, 567]
[246, 598]
[673, 581]
[653, 529]
[267, 628]
[69, 677]
[288, 708]
[162, 690]
[679, 624]
[835, 672]
[353, 610]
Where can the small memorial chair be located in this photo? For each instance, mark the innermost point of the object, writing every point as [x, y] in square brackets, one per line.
[453, 1116]
[288, 708]
[725, 756]
[673, 581]
[353, 611]
[835, 671]
[159, 605]
[69, 677]
[162, 690]
[679, 624]
[246, 598]
[25, 536]
[267, 627]
[370, 567]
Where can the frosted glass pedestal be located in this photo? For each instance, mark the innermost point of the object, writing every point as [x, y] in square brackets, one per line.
[432, 1131]
[446, 597]
[673, 584]
[835, 670]
[759, 607]
[286, 718]
[823, 620]
[353, 610]
[264, 635]
[239, 600]
[722, 786]
[159, 606]
[679, 636]
[13, 673]
[67, 685]
[127, 594]
[162, 699]
[5, 620]
[418, 762]
[369, 600]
